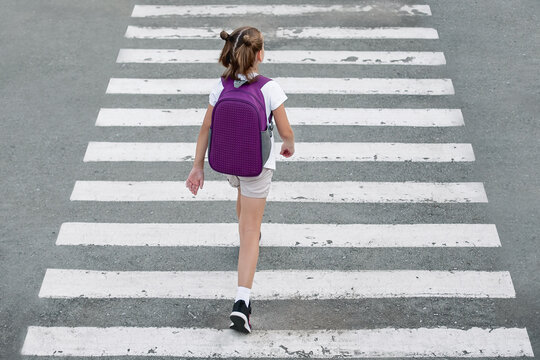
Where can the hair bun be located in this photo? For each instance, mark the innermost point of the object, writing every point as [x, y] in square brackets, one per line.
[246, 40]
[224, 35]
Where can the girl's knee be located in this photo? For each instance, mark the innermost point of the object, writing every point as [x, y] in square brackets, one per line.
[250, 225]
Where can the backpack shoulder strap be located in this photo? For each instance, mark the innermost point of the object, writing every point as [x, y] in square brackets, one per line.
[227, 83]
[261, 81]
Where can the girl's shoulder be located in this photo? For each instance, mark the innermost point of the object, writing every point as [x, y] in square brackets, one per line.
[272, 84]
[219, 81]
[216, 90]
[217, 85]
[274, 93]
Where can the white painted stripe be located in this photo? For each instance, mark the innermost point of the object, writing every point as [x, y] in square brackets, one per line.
[297, 116]
[327, 151]
[288, 235]
[226, 343]
[291, 85]
[172, 56]
[150, 117]
[142, 32]
[328, 192]
[277, 284]
[274, 10]
[357, 33]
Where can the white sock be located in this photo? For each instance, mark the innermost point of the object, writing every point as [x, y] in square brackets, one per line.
[243, 294]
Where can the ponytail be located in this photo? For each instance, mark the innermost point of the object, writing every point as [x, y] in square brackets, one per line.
[240, 51]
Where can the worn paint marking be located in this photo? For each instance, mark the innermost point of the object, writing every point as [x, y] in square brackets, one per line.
[226, 343]
[327, 151]
[330, 192]
[291, 235]
[277, 284]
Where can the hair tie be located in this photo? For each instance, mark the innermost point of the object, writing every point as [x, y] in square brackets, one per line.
[225, 35]
[246, 40]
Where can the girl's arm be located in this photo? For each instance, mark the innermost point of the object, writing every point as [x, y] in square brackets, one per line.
[285, 131]
[202, 140]
[195, 178]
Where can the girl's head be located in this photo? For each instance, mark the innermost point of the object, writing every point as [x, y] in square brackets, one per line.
[243, 50]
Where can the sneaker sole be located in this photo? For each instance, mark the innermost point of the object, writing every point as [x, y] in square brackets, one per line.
[240, 322]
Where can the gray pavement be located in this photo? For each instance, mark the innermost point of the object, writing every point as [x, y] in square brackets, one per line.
[56, 59]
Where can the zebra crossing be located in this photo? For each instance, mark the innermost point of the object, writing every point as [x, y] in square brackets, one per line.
[281, 284]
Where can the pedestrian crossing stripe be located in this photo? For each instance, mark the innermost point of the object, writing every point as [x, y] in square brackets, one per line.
[291, 85]
[188, 56]
[315, 151]
[356, 33]
[280, 235]
[296, 191]
[200, 33]
[225, 343]
[275, 10]
[277, 284]
[298, 116]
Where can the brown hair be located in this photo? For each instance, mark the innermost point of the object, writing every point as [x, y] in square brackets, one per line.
[240, 51]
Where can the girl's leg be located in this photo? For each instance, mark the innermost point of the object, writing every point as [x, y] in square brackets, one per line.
[251, 214]
[238, 209]
[238, 206]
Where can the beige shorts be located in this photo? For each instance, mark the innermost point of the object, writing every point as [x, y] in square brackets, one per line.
[253, 186]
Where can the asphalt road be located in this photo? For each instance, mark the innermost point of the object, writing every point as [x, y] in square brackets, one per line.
[56, 59]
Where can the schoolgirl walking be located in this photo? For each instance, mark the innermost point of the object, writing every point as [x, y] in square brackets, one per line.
[237, 130]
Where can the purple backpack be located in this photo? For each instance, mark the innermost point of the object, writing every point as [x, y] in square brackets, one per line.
[239, 141]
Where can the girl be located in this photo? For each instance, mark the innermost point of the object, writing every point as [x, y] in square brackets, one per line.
[241, 55]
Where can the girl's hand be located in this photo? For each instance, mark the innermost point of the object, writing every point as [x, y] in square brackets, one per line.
[287, 149]
[195, 180]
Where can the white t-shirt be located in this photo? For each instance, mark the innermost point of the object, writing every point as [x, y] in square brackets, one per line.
[274, 96]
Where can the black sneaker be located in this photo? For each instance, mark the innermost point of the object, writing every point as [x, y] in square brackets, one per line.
[240, 317]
